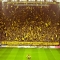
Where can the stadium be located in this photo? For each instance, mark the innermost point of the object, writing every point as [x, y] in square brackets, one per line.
[29, 29]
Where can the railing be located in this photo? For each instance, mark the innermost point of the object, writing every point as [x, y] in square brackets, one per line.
[28, 1]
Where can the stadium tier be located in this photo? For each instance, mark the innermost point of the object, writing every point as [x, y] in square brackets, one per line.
[29, 24]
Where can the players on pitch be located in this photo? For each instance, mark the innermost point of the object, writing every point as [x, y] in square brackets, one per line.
[28, 57]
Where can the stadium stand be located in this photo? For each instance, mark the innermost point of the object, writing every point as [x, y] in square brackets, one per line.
[30, 23]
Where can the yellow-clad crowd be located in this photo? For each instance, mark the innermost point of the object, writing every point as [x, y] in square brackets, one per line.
[30, 23]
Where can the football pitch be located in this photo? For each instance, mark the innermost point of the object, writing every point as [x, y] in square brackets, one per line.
[35, 53]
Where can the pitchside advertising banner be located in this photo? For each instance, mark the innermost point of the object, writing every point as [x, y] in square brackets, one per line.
[17, 43]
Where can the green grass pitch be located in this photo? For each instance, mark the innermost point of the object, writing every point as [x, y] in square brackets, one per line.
[36, 53]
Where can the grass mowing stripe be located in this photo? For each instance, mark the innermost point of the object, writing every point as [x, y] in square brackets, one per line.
[20, 54]
[27, 51]
[2, 51]
[55, 54]
[12, 54]
[5, 54]
[38, 54]
[49, 54]
[42, 54]
[35, 54]
[45, 54]
[58, 50]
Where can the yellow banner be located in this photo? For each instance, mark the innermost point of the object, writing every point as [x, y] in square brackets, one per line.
[28, 43]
